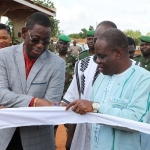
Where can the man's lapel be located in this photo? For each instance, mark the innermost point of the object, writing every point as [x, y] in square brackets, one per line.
[35, 69]
[21, 66]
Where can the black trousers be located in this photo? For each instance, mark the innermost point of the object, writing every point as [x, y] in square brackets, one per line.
[15, 143]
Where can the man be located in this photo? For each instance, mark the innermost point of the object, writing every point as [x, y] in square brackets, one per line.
[52, 46]
[131, 47]
[144, 59]
[30, 76]
[120, 90]
[18, 39]
[70, 59]
[91, 51]
[75, 49]
[85, 74]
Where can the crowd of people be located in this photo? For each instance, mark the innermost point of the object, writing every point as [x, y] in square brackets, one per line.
[107, 78]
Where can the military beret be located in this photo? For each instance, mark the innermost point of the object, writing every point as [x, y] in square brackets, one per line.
[64, 38]
[145, 39]
[90, 33]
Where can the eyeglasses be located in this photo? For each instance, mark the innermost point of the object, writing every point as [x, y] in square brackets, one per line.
[36, 41]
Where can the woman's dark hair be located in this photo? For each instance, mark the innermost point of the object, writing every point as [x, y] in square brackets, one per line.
[5, 27]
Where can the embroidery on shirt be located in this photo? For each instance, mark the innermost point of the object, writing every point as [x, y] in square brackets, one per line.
[84, 63]
[82, 83]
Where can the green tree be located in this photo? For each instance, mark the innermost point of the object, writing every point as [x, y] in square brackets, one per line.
[148, 34]
[55, 22]
[45, 3]
[81, 34]
[91, 28]
[55, 28]
[11, 25]
[134, 34]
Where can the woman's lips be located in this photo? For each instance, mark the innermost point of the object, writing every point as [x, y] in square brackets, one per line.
[2, 45]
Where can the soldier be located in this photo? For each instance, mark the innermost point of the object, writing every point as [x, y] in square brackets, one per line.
[91, 51]
[18, 39]
[144, 59]
[52, 47]
[62, 45]
[131, 47]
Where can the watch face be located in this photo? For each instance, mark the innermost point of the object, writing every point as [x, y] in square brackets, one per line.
[96, 106]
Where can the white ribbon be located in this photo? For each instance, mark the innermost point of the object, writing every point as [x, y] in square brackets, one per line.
[27, 116]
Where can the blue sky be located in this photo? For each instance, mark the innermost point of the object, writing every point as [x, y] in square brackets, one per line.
[127, 14]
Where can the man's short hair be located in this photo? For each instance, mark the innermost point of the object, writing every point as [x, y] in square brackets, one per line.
[115, 38]
[7, 28]
[109, 23]
[131, 41]
[38, 18]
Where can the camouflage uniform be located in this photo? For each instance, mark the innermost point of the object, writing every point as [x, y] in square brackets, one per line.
[84, 54]
[52, 48]
[17, 41]
[143, 63]
[70, 59]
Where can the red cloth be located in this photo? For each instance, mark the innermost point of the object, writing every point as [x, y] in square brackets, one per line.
[28, 64]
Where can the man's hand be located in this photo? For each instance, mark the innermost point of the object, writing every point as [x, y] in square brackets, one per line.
[81, 106]
[43, 102]
[63, 104]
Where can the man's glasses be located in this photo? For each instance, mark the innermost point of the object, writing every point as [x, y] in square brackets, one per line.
[36, 41]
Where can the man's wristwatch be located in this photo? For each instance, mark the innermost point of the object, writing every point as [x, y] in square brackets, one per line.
[95, 106]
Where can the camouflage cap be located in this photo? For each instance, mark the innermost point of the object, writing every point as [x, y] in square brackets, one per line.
[64, 38]
[90, 33]
[145, 39]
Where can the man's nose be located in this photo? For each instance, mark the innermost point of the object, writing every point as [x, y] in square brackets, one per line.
[98, 60]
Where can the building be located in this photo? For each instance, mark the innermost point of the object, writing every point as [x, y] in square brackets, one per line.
[19, 10]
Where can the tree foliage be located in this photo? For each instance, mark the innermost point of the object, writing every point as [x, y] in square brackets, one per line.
[54, 22]
[10, 24]
[55, 28]
[82, 34]
[148, 34]
[135, 34]
[45, 3]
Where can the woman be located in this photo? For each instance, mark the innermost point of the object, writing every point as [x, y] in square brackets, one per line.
[5, 36]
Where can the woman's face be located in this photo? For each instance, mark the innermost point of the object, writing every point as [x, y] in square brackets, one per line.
[5, 38]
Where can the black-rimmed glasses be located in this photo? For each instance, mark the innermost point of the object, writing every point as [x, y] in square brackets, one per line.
[36, 41]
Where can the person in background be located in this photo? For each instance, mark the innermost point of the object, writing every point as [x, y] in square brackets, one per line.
[120, 90]
[84, 81]
[144, 59]
[131, 47]
[75, 49]
[52, 46]
[91, 51]
[70, 59]
[18, 39]
[5, 36]
[31, 76]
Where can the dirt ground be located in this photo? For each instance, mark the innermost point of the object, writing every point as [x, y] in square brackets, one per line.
[61, 138]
